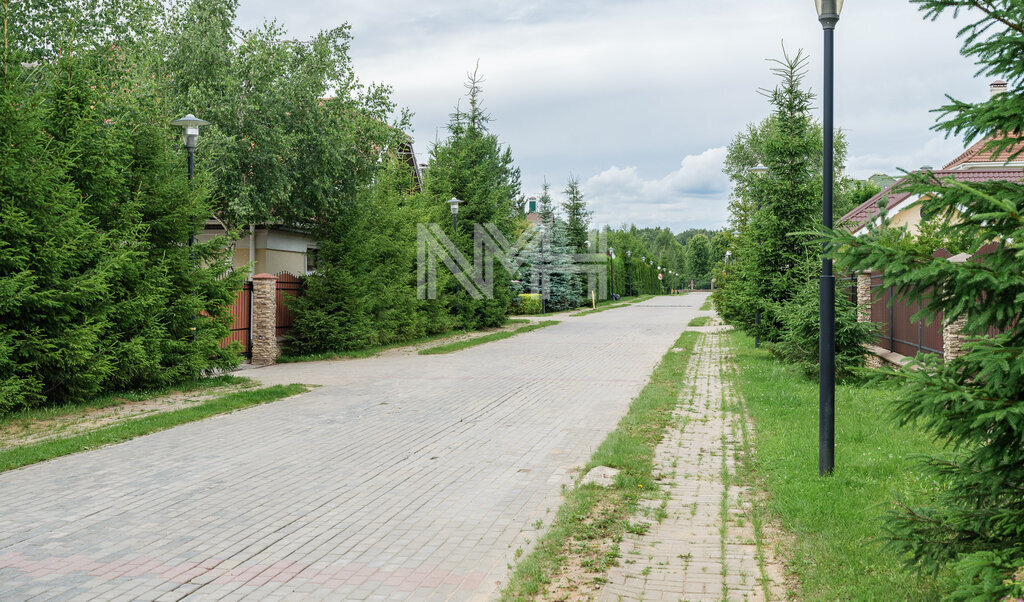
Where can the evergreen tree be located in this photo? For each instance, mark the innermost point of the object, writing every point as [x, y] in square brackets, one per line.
[471, 165]
[973, 403]
[548, 267]
[698, 257]
[545, 207]
[577, 217]
[768, 264]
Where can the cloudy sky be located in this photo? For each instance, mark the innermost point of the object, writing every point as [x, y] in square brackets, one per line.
[638, 99]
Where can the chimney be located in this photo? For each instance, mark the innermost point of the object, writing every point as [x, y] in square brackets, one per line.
[997, 87]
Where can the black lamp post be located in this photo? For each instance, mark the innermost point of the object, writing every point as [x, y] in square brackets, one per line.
[454, 204]
[758, 170]
[828, 15]
[190, 123]
[611, 258]
[629, 276]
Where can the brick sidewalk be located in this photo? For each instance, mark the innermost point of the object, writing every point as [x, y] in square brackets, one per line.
[690, 555]
[400, 477]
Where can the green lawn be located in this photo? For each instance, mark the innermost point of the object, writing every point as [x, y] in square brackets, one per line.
[16, 457]
[487, 338]
[836, 533]
[699, 321]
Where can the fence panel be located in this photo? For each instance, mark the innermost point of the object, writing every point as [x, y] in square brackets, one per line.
[898, 332]
[241, 327]
[287, 285]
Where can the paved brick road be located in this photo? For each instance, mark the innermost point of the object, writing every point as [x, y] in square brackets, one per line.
[403, 476]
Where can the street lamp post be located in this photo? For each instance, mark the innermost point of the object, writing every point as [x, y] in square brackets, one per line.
[454, 203]
[190, 123]
[758, 170]
[629, 276]
[828, 16]
[611, 258]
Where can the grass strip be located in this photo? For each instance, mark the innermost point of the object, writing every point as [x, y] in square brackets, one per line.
[836, 548]
[707, 305]
[592, 520]
[700, 321]
[17, 457]
[487, 338]
[598, 310]
[115, 399]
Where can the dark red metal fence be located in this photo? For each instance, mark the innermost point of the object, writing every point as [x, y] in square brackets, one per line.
[241, 328]
[288, 285]
[898, 332]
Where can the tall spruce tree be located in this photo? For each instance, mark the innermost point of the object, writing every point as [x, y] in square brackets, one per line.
[577, 216]
[974, 514]
[545, 206]
[472, 165]
[769, 265]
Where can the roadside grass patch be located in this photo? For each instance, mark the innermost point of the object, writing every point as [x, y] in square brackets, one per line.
[707, 305]
[107, 400]
[700, 321]
[487, 338]
[17, 457]
[836, 549]
[573, 556]
[598, 310]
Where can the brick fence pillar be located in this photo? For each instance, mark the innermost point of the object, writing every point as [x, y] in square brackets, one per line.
[264, 319]
[953, 338]
[864, 297]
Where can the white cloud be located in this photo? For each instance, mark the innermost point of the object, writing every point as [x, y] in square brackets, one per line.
[695, 194]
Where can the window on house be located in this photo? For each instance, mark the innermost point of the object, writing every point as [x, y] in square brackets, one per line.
[311, 259]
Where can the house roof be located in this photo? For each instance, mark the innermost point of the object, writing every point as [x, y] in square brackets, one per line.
[977, 153]
[868, 210]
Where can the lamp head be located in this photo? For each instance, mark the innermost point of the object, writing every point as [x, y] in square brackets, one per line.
[759, 170]
[191, 124]
[453, 203]
[828, 12]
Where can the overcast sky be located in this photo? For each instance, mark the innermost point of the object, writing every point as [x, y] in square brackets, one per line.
[639, 99]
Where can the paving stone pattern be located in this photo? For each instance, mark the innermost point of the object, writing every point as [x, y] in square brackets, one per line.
[402, 476]
[689, 555]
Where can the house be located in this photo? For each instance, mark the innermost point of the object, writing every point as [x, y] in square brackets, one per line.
[274, 248]
[976, 164]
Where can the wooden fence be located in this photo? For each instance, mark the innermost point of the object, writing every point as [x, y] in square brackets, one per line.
[288, 285]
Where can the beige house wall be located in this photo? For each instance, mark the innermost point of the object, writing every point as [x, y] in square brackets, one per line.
[276, 251]
[910, 217]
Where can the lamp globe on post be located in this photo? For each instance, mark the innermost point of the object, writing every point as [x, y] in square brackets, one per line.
[611, 258]
[454, 203]
[828, 16]
[629, 275]
[190, 123]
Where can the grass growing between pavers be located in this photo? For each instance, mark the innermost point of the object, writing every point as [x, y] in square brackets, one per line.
[835, 537]
[17, 457]
[583, 541]
[700, 321]
[487, 338]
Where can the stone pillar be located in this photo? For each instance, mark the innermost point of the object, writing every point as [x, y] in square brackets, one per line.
[264, 319]
[953, 338]
[864, 297]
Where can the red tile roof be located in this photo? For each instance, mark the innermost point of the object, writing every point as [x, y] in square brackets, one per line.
[979, 154]
[868, 210]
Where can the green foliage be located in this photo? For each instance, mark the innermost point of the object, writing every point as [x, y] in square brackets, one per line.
[577, 216]
[769, 264]
[363, 293]
[973, 403]
[800, 335]
[698, 256]
[548, 267]
[471, 165]
[528, 304]
[101, 290]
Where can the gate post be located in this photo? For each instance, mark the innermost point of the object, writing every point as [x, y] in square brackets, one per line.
[864, 297]
[264, 319]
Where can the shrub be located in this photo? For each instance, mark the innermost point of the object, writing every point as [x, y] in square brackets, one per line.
[800, 333]
[528, 304]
